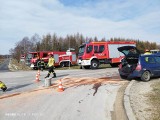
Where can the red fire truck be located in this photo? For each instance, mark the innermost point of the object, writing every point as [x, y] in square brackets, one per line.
[62, 59]
[92, 54]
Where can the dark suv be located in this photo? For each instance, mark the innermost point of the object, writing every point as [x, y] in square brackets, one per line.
[135, 65]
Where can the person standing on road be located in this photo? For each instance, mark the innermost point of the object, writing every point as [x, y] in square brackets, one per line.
[147, 52]
[50, 64]
[40, 64]
[3, 86]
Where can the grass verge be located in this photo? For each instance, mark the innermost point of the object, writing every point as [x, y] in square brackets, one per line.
[1, 61]
[15, 65]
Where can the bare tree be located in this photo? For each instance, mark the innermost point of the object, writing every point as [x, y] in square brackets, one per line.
[35, 42]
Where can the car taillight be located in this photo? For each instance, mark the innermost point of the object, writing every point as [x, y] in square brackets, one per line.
[139, 67]
[120, 66]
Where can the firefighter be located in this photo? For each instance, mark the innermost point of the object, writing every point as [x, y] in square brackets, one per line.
[147, 52]
[3, 86]
[50, 64]
[40, 64]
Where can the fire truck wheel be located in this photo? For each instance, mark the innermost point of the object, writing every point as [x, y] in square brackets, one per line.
[38, 64]
[42, 68]
[94, 64]
[35, 68]
[68, 64]
[62, 64]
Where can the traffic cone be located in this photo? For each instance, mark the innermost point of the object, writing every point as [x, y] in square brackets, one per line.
[60, 87]
[38, 72]
[37, 78]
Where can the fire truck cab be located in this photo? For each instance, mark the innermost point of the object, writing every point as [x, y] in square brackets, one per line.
[92, 54]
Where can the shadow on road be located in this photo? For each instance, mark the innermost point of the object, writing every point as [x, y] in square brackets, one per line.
[62, 75]
[5, 71]
[17, 87]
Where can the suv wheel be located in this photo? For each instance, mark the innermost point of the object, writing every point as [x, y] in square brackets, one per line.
[146, 76]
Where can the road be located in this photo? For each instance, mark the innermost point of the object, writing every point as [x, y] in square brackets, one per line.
[88, 95]
[4, 66]
[21, 81]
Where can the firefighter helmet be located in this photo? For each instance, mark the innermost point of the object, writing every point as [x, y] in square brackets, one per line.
[50, 54]
[147, 50]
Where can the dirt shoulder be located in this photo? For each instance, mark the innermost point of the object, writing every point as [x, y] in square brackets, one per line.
[119, 111]
[144, 99]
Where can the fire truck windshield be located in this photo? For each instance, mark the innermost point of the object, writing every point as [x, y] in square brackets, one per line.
[28, 59]
[29, 56]
[34, 55]
[81, 49]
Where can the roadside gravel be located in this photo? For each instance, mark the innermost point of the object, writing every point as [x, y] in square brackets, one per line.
[139, 99]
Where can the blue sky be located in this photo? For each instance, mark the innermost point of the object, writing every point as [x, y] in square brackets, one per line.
[136, 19]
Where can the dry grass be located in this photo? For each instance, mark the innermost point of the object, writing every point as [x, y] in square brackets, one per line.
[15, 65]
[1, 61]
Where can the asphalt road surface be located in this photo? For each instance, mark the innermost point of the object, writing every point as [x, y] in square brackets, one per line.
[4, 66]
[21, 81]
[88, 95]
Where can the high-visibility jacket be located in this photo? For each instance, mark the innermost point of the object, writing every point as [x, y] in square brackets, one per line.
[51, 61]
[147, 53]
[2, 85]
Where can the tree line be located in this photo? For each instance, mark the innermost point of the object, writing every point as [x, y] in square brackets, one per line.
[52, 42]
